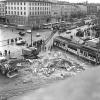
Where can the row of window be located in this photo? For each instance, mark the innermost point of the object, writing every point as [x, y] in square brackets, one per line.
[31, 3]
[39, 4]
[40, 13]
[39, 8]
[16, 3]
[1, 5]
[17, 8]
[31, 8]
[16, 13]
[1, 14]
[31, 13]
[2, 10]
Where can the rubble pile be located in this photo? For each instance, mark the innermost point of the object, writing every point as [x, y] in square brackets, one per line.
[55, 64]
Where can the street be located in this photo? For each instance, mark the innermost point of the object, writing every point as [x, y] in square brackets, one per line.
[7, 33]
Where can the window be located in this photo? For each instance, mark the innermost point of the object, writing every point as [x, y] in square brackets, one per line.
[33, 8]
[14, 3]
[12, 8]
[24, 3]
[24, 8]
[35, 3]
[38, 8]
[17, 8]
[33, 13]
[17, 13]
[21, 8]
[11, 3]
[21, 3]
[17, 3]
[9, 8]
[9, 12]
[30, 13]
[21, 13]
[24, 13]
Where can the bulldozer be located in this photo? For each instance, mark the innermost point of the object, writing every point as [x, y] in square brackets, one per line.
[7, 69]
[30, 53]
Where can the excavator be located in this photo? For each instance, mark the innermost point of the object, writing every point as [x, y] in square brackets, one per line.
[32, 52]
[9, 68]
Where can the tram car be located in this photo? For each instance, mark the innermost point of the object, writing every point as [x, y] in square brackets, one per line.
[89, 53]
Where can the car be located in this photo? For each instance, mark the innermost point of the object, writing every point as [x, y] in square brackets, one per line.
[6, 26]
[22, 33]
[21, 42]
[29, 31]
[38, 35]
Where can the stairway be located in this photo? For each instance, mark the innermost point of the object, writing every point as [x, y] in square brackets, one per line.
[49, 38]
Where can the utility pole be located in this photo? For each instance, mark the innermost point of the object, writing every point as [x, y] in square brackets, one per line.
[31, 36]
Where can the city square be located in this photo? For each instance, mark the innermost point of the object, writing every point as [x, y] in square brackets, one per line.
[44, 43]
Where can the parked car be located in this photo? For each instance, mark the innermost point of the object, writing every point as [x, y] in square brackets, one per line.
[22, 33]
[6, 26]
[38, 35]
[28, 31]
[21, 42]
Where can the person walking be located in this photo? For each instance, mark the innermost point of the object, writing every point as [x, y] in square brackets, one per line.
[9, 53]
[8, 41]
[5, 52]
[15, 39]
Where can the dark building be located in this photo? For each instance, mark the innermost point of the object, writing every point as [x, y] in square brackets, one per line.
[91, 9]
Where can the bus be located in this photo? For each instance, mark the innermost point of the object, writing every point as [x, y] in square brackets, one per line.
[88, 53]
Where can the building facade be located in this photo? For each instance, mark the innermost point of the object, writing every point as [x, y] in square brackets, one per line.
[2, 11]
[28, 12]
[91, 9]
[61, 10]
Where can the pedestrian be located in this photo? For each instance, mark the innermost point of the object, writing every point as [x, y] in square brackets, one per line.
[15, 39]
[12, 40]
[20, 38]
[8, 41]
[9, 52]
[5, 52]
[0, 53]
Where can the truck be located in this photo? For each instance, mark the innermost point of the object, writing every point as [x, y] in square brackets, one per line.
[30, 52]
[7, 69]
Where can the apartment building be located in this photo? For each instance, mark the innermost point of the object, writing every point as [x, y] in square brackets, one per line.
[61, 10]
[91, 9]
[2, 12]
[2, 8]
[28, 12]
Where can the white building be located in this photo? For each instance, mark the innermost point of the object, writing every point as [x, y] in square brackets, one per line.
[2, 8]
[28, 12]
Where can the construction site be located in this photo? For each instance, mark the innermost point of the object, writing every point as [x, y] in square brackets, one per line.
[45, 63]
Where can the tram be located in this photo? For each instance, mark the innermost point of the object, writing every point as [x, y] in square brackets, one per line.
[89, 53]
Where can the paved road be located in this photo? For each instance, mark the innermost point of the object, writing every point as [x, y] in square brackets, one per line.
[7, 33]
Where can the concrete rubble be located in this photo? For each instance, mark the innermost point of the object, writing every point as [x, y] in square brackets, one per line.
[53, 64]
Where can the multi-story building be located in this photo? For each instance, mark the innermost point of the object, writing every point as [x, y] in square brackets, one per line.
[82, 8]
[28, 12]
[62, 10]
[55, 11]
[2, 11]
[91, 9]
